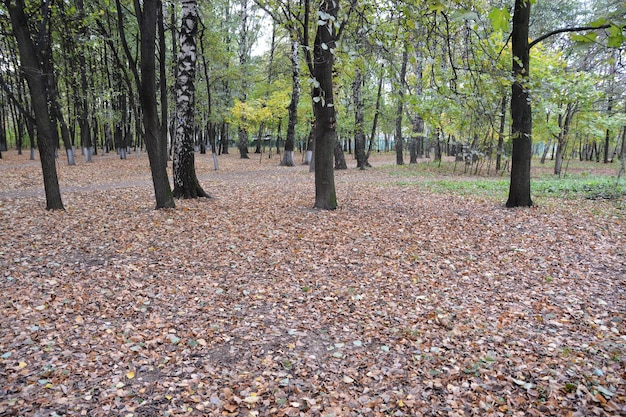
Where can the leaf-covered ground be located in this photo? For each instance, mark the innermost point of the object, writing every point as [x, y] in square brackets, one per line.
[402, 302]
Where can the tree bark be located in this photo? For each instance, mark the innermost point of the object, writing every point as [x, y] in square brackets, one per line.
[83, 106]
[340, 159]
[500, 150]
[565, 122]
[147, 96]
[376, 114]
[163, 88]
[186, 183]
[36, 78]
[519, 190]
[287, 159]
[359, 131]
[400, 110]
[324, 108]
[607, 136]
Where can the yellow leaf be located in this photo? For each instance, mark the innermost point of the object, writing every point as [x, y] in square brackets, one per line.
[22, 364]
[130, 374]
[253, 398]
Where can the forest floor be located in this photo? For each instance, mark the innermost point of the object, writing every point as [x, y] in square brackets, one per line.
[405, 301]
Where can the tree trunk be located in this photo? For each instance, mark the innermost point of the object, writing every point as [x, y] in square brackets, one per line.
[359, 133]
[340, 159]
[545, 151]
[324, 107]
[375, 121]
[163, 87]
[400, 110]
[565, 122]
[242, 143]
[47, 135]
[500, 150]
[147, 96]
[438, 150]
[290, 141]
[83, 106]
[607, 136]
[417, 139]
[519, 190]
[224, 138]
[186, 183]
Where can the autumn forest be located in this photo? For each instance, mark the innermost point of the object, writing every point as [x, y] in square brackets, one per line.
[296, 208]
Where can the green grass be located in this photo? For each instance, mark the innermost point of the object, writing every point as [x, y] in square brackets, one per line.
[589, 186]
[583, 185]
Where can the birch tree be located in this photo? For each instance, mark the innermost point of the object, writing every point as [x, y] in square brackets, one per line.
[186, 183]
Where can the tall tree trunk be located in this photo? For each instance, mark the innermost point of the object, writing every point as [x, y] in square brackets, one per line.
[83, 106]
[376, 114]
[521, 113]
[3, 125]
[500, 150]
[147, 96]
[324, 107]
[607, 136]
[359, 131]
[290, 141]
[47, 135]
[244, 58]
[400, 110]
[163, 88]
[186, 183]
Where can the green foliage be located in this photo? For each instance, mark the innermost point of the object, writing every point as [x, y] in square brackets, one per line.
[500, 18]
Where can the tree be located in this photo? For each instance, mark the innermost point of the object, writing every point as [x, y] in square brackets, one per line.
[290, 140]
[400, 111]
[186, 183]
[147, 18]
[521, 129]
[519, 191]
[324, 106]
[31, 61]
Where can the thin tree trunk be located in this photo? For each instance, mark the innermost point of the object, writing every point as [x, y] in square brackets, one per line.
[287, 159]
[359, 133]
[500, 150]
[565, 122]
[400, 110]
[376, 114]
[607, 136]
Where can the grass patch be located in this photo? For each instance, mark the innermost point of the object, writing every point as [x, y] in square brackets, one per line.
[584, 185]
[593, 187]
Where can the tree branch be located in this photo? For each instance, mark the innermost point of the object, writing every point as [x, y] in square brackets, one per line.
[566, 30]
